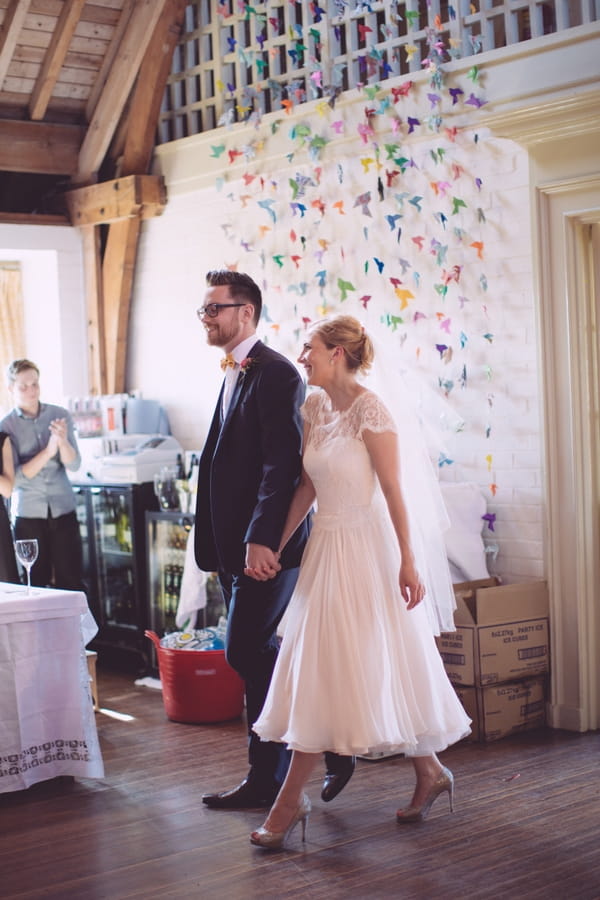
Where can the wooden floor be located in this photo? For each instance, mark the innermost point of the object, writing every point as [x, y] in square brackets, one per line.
[526, 824]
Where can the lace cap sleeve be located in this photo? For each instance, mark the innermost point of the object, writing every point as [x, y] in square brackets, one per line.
[310, 408]
[374, 415]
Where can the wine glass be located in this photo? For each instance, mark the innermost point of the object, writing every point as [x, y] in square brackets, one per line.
[27, 553]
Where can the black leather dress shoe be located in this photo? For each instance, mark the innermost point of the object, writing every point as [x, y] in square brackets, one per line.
[244, 796]
[337, 780]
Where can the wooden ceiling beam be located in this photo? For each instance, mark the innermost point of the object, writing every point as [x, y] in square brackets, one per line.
[92, 258]
[118, 268]
[8, 218]
[9, 33]
[136, 196]
[39, 147]
[119, 84]
[122, 204]
[109, 58]
[54, 58]
[149, 91]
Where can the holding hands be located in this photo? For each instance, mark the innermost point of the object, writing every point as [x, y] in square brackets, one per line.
[262, 563]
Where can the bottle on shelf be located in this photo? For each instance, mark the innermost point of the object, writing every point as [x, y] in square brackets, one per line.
[109, 523]
[167, 586]
[182, 486]
[123, 526]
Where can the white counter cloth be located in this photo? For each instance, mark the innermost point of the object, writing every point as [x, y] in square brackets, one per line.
[47, 724]
[192, 594]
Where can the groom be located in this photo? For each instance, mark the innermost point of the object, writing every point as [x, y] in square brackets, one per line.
[249, 468]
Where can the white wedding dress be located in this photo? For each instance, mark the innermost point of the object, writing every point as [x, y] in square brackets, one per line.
[357, 672]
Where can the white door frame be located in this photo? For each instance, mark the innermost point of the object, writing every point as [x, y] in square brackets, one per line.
[568, 244]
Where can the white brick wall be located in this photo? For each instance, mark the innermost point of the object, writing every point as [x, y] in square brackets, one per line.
[203, 229]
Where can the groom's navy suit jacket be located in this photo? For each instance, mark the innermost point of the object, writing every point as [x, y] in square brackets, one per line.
[250, 466]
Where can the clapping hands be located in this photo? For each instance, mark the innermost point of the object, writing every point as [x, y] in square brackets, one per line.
[58, 435]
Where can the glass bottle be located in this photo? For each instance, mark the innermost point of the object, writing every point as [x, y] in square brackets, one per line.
[123, 528]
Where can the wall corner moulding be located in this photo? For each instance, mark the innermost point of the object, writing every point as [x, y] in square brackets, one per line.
[569, 117]
[545, 88]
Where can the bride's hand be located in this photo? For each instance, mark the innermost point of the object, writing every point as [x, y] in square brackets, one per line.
[411, 586]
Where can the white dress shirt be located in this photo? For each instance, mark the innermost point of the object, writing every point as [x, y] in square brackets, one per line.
[239, 353]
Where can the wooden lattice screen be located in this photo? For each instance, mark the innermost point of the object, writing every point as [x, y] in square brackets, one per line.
[236, 60]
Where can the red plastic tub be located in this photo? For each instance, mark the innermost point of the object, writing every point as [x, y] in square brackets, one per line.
[198, 686]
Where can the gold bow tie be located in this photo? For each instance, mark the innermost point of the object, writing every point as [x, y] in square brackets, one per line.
[228, 362]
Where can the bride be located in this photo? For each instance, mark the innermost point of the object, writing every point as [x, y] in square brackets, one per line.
[358, 670]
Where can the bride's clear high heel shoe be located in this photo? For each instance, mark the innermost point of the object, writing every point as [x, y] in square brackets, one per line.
[443, 783]
[275, 840]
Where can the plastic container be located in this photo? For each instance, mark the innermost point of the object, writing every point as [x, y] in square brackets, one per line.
[198, 686]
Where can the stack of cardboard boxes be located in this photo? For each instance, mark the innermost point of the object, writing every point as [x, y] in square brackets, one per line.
[498, 657]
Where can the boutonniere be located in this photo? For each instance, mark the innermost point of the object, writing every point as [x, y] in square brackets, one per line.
[246, 364]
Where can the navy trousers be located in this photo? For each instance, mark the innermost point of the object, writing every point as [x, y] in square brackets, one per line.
[254, 610]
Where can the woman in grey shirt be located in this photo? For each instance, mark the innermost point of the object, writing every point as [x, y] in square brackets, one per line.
[44, 447]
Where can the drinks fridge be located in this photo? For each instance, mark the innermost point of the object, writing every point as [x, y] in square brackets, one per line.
[111, 522]
[167, 537]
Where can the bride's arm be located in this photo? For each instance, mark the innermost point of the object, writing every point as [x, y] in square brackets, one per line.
[302, 501]
[300, 506]
[383, 450]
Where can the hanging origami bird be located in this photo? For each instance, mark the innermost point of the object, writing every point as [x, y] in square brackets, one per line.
[268, 206]
[403, 295]
[363, 201]
[475, 101]
[402, 91]
[345, 287]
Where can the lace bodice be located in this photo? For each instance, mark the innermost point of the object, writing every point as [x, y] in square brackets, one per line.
[336, 457]
[367, 412]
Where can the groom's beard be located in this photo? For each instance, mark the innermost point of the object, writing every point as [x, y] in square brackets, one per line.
[222, 334]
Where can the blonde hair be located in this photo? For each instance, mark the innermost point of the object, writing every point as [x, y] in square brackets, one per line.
[348, 333]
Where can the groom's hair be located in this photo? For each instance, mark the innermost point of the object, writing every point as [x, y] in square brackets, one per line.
[241, 287]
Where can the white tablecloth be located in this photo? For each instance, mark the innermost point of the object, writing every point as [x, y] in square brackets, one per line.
[47, 723]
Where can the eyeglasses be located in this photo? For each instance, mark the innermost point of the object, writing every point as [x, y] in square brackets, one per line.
[212, 310]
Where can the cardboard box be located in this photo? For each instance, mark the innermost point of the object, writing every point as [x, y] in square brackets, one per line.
[504, 709]
[501, 633]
